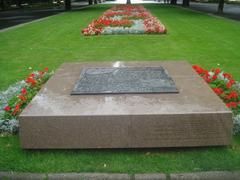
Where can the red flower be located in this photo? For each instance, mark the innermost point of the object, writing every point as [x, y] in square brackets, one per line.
[207, 78]
[227, 75]
[7, 108]
[46, 69]
[232, 105]
[31, 81]
[218, 91]
[41, 73]
[217, 71]
[230, 83]
[23, 98]
[214, 77]
[32, 75]
[16, 109]
[24, 91]
[232, 95]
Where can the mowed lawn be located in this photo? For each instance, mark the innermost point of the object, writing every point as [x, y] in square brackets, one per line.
[198, 38]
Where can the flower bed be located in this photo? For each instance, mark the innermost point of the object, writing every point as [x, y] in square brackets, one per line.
[125, 19]
[16, 98]
[226, 88]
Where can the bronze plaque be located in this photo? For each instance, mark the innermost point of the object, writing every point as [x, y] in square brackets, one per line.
[124, 80]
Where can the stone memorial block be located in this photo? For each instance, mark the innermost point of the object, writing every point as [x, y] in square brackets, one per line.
[192, 116]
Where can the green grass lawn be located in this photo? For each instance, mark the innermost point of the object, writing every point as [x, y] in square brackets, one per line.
[129, 161]
[198, 38]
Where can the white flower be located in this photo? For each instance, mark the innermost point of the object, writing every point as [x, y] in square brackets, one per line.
[211, 74]
[220, 76]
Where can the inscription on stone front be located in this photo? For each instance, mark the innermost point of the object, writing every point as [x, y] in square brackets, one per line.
[158, 133]
[124, 80]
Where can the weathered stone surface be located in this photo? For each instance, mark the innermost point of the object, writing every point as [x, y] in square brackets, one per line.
[193, 117]
[88, 176]
[150, 176]
[21, 176]
[211, 175]
[124, 80]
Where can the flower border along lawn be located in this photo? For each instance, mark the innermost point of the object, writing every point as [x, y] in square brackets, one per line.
[199, 38]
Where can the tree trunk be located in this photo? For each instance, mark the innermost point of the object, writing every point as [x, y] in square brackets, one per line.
[2, 5]
[220, 6]
[90, 2]
[68, 6]
[128, 1]
[185, 3]
[173, 2]
[95, 2]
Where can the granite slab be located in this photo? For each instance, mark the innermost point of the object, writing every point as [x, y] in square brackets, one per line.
[193, 117]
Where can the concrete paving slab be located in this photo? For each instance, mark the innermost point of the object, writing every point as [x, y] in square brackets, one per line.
[214, 175]
[21, 176]
[88, 176]
[157, 176]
